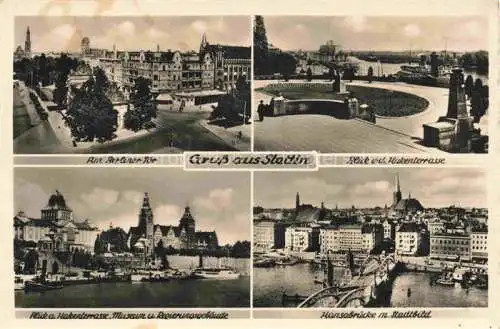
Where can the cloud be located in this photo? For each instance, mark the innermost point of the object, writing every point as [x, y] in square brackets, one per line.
[167, 214]
[217, 200]
[199, 26]
[29, 197]
[411, 30]
[100, 199]
[126, 28]
[155, 34]
[356, 23]
[472, 29]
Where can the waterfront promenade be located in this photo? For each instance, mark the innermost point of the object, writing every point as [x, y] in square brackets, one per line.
[328, 134]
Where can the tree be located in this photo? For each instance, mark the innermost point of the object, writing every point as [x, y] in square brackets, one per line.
[141, 108]
[91, 115]
[469, 85]
[309, 74]
[370, 74]
[30, 262]
[260, 47]
[477, 102]
[284, 64]
[486, 98]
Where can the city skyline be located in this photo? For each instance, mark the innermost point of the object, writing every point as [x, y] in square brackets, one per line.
[53, 34]
[115, 195]
[371, 187]
[379, 33]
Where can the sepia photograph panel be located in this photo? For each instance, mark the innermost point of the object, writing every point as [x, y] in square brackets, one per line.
[131, 85]
[131, 238]
[371, 84]
[371, 237]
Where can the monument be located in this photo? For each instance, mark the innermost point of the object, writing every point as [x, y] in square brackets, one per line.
[455, 132]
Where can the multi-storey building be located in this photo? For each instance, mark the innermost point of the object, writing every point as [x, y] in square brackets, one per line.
[450, 246]
[111, 64]
[265, 234]
[301, 238]
[479, 245]
[373, 234]
[230, 62]
[168, 71]
[436, 226]
[147, 235]
[56, 228]
[389, 229]
[409, 238]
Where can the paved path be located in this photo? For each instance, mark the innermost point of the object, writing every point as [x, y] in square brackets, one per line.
[314, 132]
[329, 135]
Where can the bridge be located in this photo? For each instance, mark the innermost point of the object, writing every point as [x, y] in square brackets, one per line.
[368, 288]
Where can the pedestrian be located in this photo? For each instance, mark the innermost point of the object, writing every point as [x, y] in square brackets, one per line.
[260, 110]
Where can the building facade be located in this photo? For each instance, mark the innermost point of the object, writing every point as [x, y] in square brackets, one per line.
[56, 228]
[409, 239]
[451, 246]
[264, 232]
[144, 238]
[301, 239]
[479, 245]
[229, 63]
[168, 71]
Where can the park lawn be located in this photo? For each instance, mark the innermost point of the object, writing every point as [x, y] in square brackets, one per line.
[384, 102]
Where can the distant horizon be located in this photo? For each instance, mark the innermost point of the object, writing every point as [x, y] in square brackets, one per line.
[372, 187]
[184, 33]
[370, 207]
[379, 33]
[115, 195]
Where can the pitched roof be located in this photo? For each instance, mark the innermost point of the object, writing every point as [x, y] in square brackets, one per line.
[206, 237]
[231, 52]
[166, 228]
[409, 227]
[409, 204]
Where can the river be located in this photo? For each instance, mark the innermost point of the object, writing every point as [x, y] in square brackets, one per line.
[389, 68]
[174, 293]
[271, 283]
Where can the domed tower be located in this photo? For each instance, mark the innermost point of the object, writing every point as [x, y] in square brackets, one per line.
[56, 209]
[85, 45]
[187, 224]
[146, 223]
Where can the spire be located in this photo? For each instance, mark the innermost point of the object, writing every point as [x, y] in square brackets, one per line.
[297, 200]
[398, 188]
[145, 202]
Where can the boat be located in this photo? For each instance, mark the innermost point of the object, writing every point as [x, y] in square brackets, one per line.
[459, 274]
[446, 279]
[148, 276]
[286, 261]
[39, 286]
[216, 273]
[266, 262]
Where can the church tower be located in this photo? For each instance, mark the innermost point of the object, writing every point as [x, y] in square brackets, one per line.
[297, 201]
[146, 223]
[396, 195]
[203, 45]
[187, 224]
[27, 43]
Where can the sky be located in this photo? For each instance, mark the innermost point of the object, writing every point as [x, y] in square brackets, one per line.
[372, 33]
[56, 33]
[371, 187]
[219, 201]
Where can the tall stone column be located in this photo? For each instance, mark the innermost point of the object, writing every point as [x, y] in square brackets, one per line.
[456, 98]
